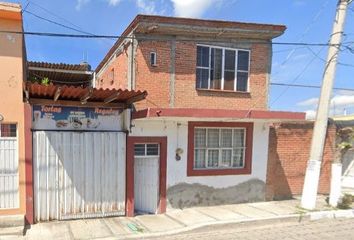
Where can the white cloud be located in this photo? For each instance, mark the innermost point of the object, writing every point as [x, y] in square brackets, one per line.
[113, 2]
[310, 114]
[308, 102]
[192, 8]
[344, 92]
[342, 100]
[336, 101]
[146, 6]
[80, 3]
[340, 103]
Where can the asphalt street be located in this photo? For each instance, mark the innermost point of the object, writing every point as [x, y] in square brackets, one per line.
[339, 229]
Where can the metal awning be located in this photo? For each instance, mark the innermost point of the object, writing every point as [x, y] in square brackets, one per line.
[61, 73]
[50, 94]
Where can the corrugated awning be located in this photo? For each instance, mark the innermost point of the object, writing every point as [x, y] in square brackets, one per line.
[35, 91]
[61, 73]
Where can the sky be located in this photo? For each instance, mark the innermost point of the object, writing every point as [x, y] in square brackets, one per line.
[308, 21]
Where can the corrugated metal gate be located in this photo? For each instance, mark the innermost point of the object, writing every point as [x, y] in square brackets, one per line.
[9, 173]
[79, 175]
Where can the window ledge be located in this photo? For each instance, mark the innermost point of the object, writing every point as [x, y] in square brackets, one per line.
[218, 172]
[221, 91]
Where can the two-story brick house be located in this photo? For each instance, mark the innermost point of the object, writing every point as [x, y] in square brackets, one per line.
[201, 136]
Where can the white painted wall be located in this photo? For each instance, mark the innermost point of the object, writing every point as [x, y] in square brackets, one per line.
[177, 137]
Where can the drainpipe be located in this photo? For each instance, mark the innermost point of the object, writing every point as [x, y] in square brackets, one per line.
[132, 82]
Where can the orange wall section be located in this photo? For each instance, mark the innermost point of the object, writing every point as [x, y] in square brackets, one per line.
[11, 82]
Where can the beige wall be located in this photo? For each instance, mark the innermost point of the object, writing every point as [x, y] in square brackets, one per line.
[11, 80]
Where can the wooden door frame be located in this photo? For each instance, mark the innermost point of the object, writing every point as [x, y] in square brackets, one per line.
[131, 140]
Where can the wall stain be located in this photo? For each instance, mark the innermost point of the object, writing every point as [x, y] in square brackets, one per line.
[184, 195]
[12, 82]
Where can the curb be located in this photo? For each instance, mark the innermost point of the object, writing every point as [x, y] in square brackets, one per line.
[330, 214]
[298, 217]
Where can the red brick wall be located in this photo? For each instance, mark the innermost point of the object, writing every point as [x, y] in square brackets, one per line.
[188, 97]
[289, 148]
[120, 66]
[156, 80]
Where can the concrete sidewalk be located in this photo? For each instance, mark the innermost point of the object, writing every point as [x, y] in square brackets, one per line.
[175, 221]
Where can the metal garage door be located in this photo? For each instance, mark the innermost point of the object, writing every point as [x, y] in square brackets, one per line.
[79, 175]
[146, 178]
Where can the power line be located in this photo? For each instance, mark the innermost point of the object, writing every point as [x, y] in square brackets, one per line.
[308, 86]
[26, 6]
[55, 15]
[58, 24]
[297, 77]
[290, 55]
[77, 28]
[287, 50]
[66, 35]
[315, 18]
[323, 60]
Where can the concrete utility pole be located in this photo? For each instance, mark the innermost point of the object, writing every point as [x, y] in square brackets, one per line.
[309, 192]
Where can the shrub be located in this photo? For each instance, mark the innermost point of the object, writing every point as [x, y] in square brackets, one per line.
[346, 201]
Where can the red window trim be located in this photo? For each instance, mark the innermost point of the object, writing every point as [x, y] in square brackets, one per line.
[211, 172]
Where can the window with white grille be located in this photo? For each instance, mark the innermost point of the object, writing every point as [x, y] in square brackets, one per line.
[146, 149]
[219, 148]
[9, 181]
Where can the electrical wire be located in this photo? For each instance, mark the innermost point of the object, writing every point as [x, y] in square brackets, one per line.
[77, 28]
[297, 77]
[291, 53]
[287, 50]
[55, 15]
[52, 34]
[58, 24]
[313, 21]
[323, 60]
[308, 86]
[85, 34]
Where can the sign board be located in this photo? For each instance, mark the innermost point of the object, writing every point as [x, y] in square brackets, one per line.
[50, 117]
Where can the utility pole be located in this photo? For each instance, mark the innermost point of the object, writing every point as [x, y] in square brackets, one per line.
[309, 193]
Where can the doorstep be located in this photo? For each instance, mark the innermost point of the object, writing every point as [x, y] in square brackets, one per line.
[12, 225]
[12, 221]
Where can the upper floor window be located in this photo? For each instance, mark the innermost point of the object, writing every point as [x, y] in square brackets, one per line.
[153, 59]
[222, 68]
